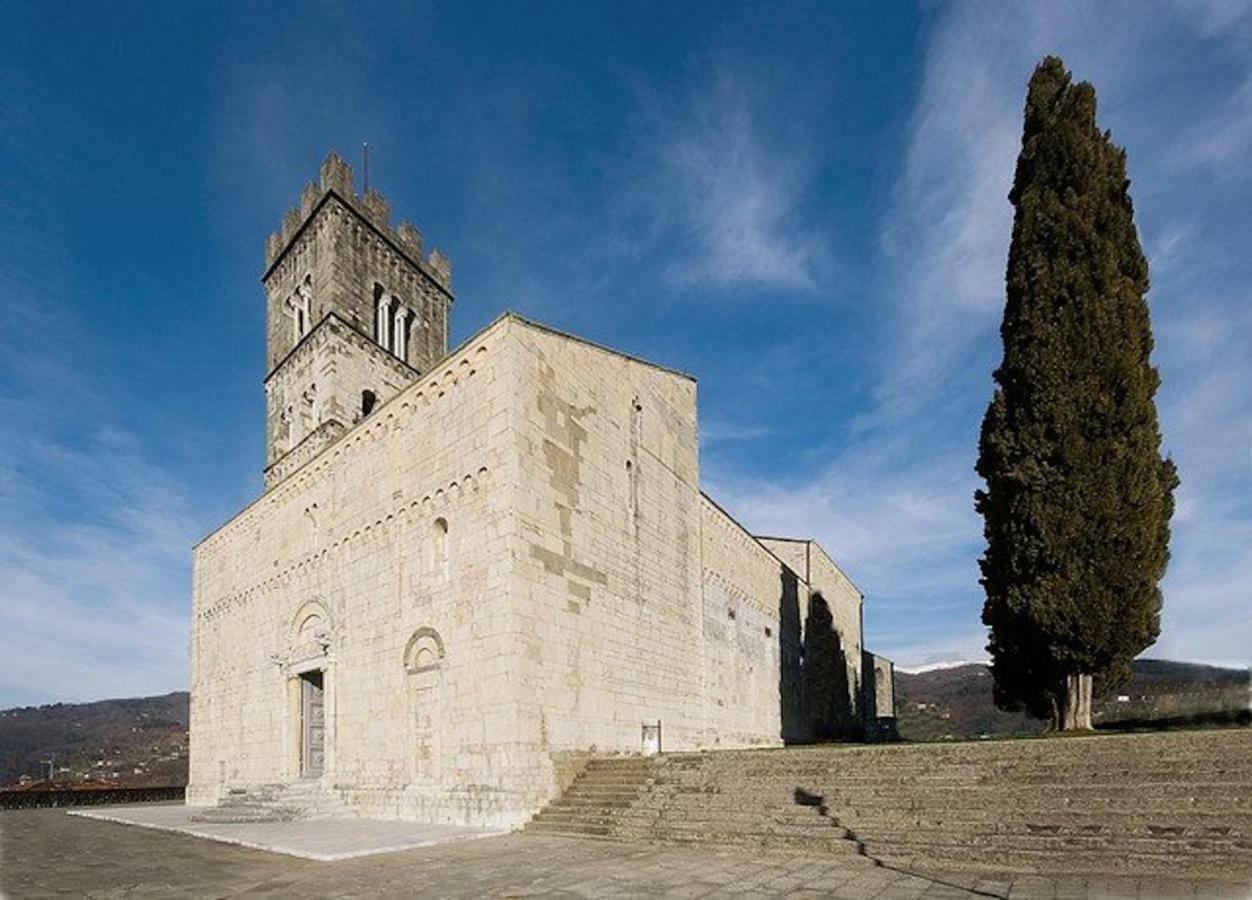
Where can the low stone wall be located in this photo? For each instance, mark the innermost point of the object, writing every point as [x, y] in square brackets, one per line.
[92, 797]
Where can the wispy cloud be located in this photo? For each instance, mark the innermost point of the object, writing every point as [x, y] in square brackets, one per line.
[725, 193]
[896, 505]
[720, 432]
[901, 525]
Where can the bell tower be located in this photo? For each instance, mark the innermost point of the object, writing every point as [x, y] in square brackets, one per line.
[354, 313]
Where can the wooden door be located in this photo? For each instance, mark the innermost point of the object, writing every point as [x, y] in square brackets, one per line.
[313, 757]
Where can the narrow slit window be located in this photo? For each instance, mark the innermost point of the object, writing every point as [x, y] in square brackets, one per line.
[439, 548]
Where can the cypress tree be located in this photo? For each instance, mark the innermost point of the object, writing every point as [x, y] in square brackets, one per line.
[1078, 498]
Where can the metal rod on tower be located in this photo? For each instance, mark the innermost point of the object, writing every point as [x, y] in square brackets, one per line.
[365, 166]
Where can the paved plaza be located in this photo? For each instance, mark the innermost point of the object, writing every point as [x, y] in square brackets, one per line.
[325, 840]
[49, 853]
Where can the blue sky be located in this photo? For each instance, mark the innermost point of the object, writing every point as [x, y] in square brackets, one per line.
[804, 205]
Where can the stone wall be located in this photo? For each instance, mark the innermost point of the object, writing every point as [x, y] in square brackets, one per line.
[751, 638]
[607, 552]
[345, 566]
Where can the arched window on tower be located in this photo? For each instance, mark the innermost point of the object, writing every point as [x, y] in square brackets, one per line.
[382, 316]
[400, 333]
[368, 401]
[300, 306]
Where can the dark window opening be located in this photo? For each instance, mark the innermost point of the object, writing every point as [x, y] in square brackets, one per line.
[381, 313]
[368, 401]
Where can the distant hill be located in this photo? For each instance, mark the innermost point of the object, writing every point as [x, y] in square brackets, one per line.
[955, 702]
[137, 742]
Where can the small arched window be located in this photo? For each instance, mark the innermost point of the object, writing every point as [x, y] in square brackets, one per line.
[368, 402]
[382, 316]
[400, 333]
[300, 303]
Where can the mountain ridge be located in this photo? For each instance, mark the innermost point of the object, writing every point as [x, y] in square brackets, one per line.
[955, 702]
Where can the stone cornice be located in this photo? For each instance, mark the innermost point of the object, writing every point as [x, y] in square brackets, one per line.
[322, 327]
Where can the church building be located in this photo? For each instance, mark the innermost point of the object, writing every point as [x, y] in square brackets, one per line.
[472, 569]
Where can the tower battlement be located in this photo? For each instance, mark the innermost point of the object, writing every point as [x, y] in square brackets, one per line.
[336, 177]
[354, 312]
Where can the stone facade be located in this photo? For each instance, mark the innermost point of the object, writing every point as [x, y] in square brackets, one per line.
[471, 571]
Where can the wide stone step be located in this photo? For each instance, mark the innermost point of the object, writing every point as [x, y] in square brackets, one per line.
[928, 755]
[611, 783]
[591, 788]
[636, 819]
[575, 828]
[853, 777]
[808, 846]
[1066, 769]
[275, 803]
[243, 813]
[1133, 824]
[1075, 861]
[597, 769]
[599, 789]
[944, 753]
[597, 800]
[707, 831]
[812, 843]
[1230, 749]
[1044, 829]
[605, 791]
[1229, 796]
[724, 830]
[592, 800]
[1123, 744]
[1054, 843]
[1177, 797]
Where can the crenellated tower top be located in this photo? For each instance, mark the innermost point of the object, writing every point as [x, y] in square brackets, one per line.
[337, 178]
[354, 312]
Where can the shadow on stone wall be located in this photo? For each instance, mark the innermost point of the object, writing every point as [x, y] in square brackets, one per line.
[814, 696]
[878, 728]
[790, 669]
[826, 693]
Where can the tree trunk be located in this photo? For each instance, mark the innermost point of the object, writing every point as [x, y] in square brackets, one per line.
[1075, 713]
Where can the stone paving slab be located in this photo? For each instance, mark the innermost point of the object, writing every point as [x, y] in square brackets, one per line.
[324, 840]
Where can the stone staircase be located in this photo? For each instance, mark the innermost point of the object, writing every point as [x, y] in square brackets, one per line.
[1174, 803]
[670, 799]
[303, 799]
